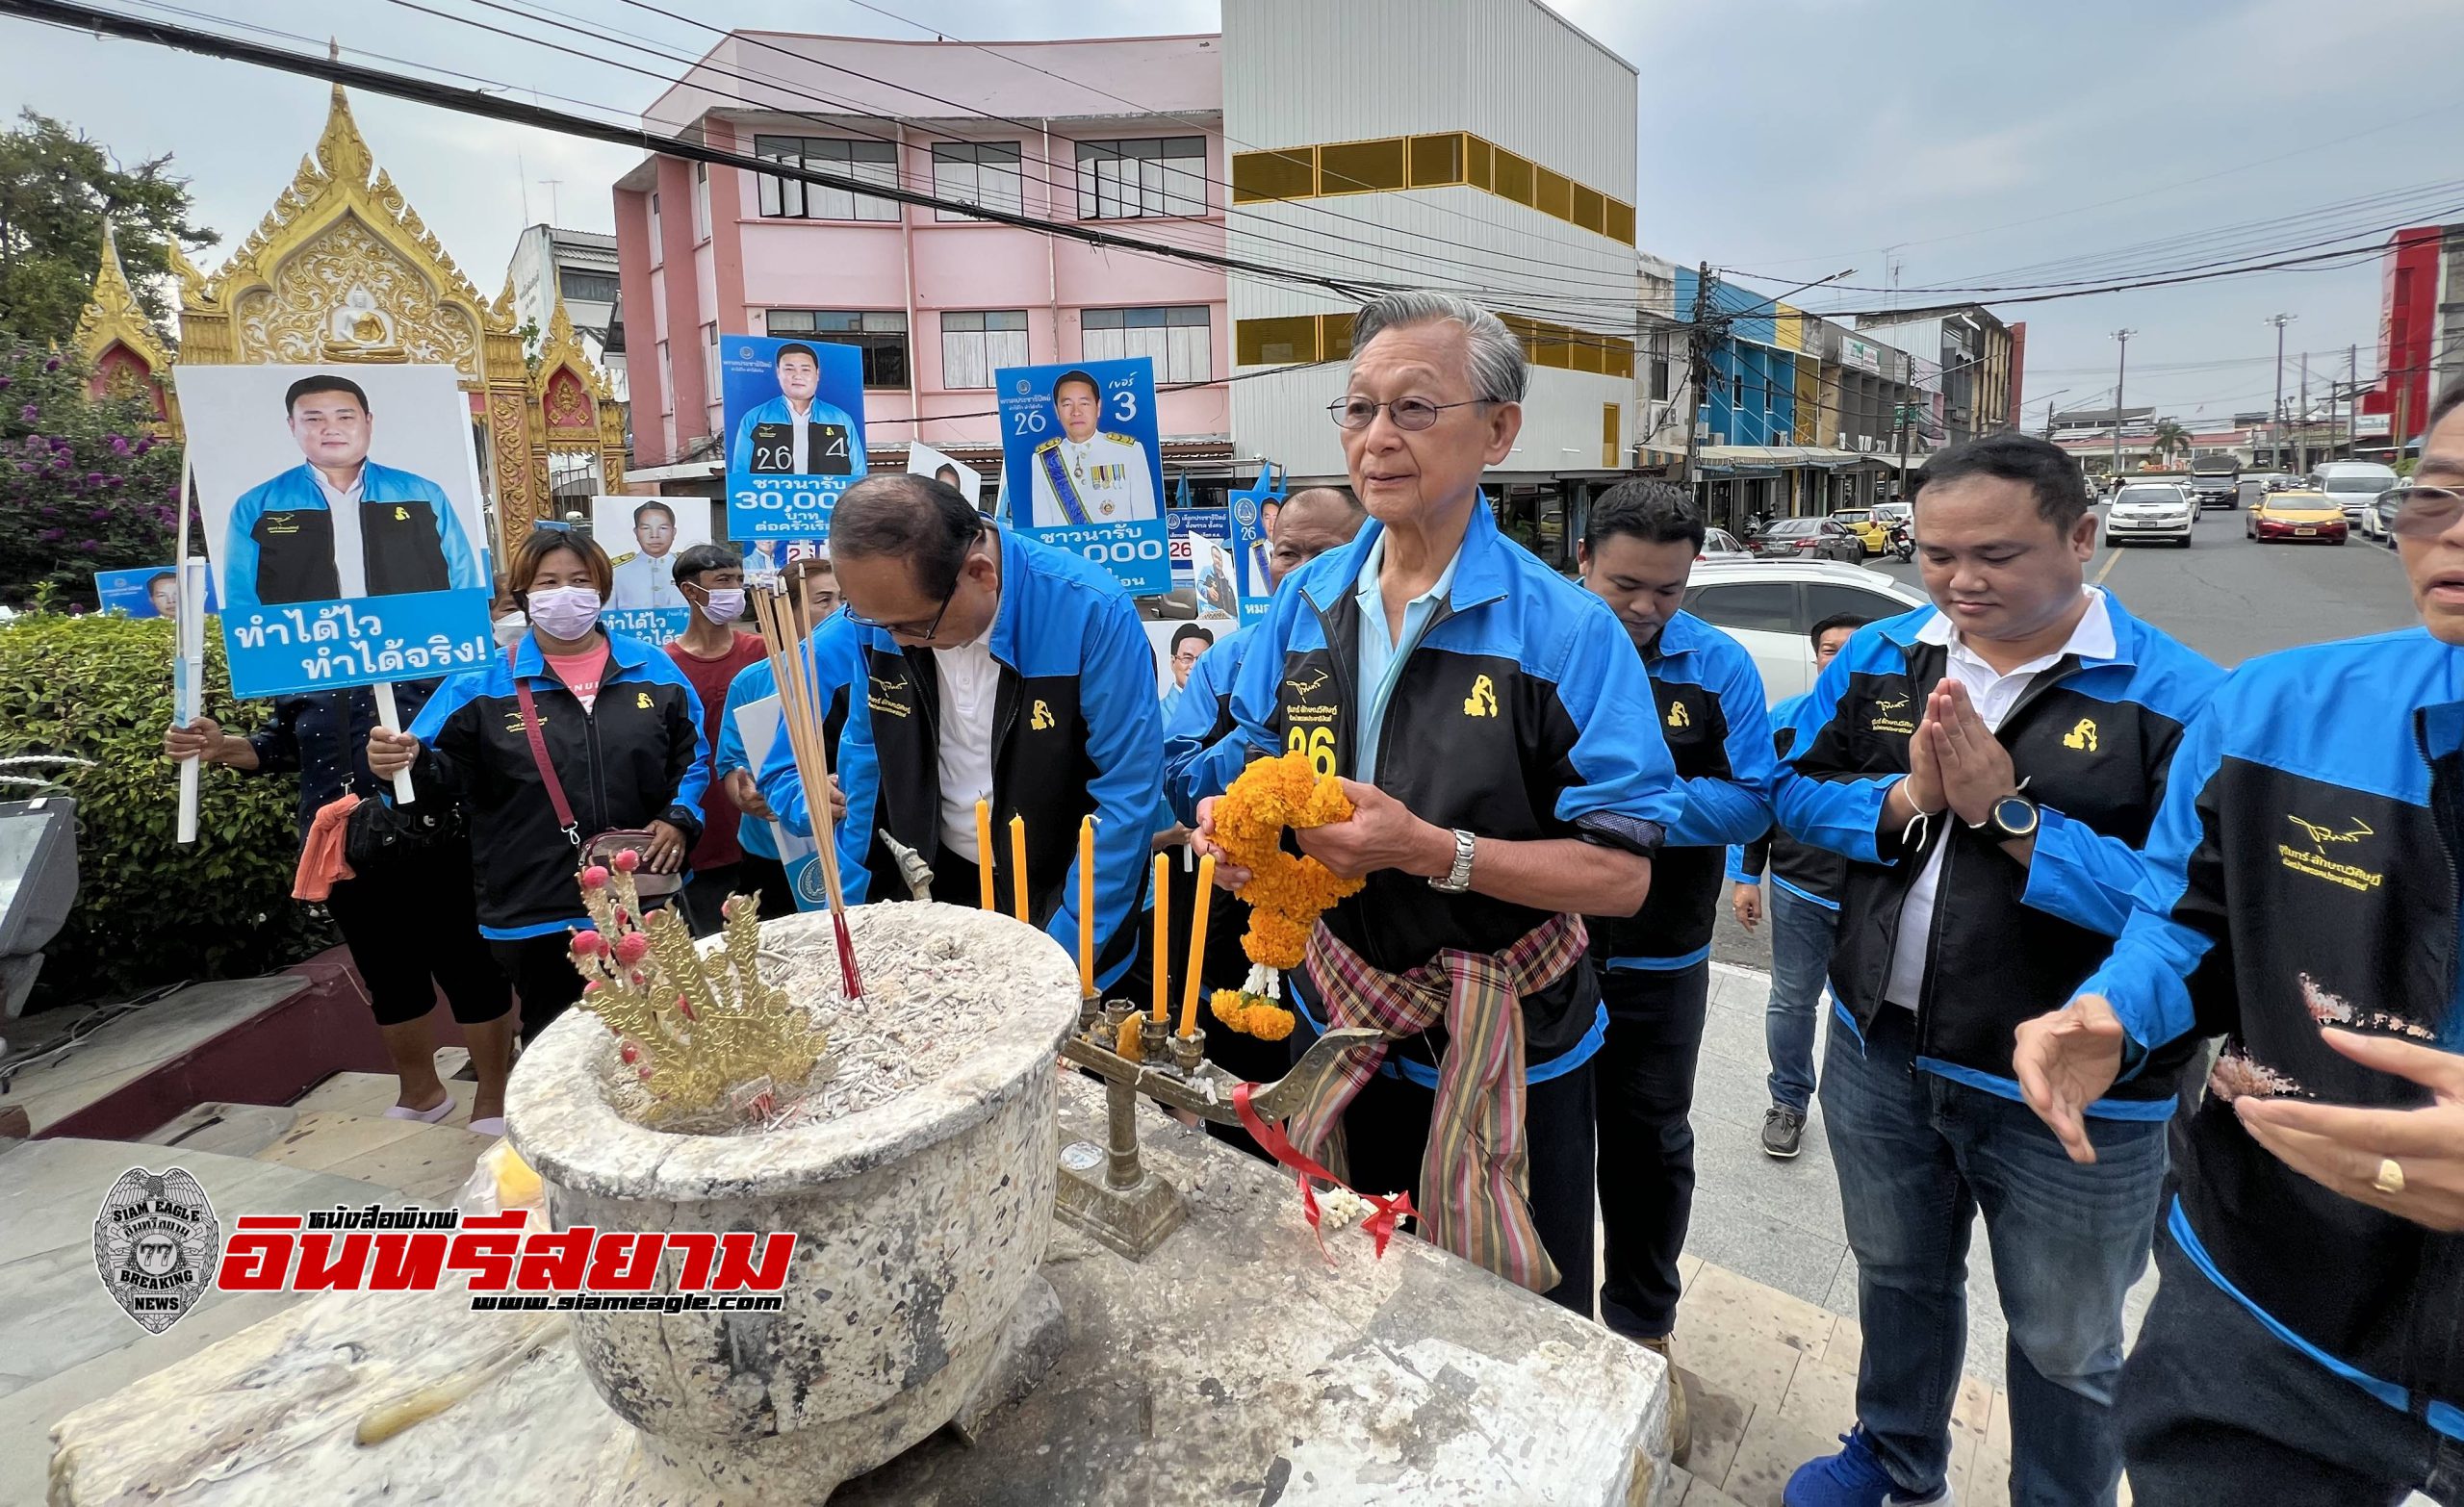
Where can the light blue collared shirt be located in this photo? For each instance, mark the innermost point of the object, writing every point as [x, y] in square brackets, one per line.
[1381, 659]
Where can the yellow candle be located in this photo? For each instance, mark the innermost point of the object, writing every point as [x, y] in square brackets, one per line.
[984, 849]
[1018, 865]
[1087, 908]
[1163, 939]
[1197, 944]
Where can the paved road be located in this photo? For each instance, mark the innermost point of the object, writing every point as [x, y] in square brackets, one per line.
[2226, 597]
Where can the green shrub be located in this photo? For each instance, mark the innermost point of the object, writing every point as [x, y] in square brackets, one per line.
[148, 910]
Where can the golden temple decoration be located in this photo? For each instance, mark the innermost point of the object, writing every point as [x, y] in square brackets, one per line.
[118, 341]
[711, 1041]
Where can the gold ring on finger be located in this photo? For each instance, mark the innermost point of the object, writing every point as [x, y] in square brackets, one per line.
[2391, 1175]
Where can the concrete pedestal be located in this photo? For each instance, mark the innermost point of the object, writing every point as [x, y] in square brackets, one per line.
[1232, 1366]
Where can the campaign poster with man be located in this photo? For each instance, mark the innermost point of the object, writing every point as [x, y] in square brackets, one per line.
[341, 509]
[1253, 513]
[1178, 644]
[148, 591]
[922, 460]
[643, 536]
[794, 412]
[1081, 467]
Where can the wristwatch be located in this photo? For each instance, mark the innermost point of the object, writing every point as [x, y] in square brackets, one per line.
[1458, 879]
[2013, 817]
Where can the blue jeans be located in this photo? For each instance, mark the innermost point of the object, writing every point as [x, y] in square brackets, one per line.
[1801, 937]
[1918, 1155]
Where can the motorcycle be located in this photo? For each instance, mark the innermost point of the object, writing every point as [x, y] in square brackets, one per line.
[1903, 541]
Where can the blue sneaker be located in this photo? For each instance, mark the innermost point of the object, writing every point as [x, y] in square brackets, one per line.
[1852, 1478]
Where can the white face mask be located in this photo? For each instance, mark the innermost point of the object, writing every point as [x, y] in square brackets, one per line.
[566, 612]
[724, 607]
[510, 628]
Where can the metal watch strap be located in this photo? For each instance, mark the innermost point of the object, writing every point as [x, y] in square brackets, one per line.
[1458, 879]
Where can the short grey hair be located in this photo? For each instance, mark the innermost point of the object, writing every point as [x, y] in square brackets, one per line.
[1498, 373]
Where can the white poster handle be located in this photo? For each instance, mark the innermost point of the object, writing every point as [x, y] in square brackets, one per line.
[391, 720]
[188, 683]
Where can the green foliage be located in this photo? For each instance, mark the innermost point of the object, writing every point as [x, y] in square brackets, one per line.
[2171, 437]
[83, 485]
[56, 186]
[148, 910]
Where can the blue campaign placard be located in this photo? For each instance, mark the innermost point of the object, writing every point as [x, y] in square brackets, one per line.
[794, 412]
[1182, 527]
[149, 590]
[1250, 542]
[1081, 467]
[340, 507]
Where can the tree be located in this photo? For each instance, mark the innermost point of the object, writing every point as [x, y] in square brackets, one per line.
[2169, 437]
[85, 486]
[56, 186]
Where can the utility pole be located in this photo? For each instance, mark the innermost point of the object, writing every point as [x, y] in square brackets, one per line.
[2301, 421]
[1698, 365]
[2122, 363]
[2280, 321]
[2352, 398]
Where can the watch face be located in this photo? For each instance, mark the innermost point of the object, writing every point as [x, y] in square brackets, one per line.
[2014, 815]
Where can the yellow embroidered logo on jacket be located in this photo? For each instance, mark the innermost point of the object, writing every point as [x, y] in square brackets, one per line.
[1679, 716]
[1043, 718]
[401, 515]
[514, 723]
[1883, 721]
[2082, 737]
[1483, 700]
[2313, 861]
[641, 701]
[281, 523]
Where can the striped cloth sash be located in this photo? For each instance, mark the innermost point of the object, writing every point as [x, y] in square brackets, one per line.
[1065, 492]
[1476, 1180]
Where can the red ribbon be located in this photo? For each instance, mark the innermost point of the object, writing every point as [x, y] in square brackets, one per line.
[1385, 1212]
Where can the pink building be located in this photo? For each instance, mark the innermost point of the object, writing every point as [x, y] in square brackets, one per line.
[937, 301]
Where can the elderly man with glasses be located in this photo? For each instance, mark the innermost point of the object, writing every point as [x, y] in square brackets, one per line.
[2307, 1341]
[994, 668]
[1494, 731]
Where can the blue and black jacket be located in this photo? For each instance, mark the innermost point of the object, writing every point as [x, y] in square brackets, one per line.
[1709, 700]
[835, 665]
[2302, 872]
[1076, 731]
[1812, 874]
[323, 738]
[2092, 738]
[1521, 714]
[279, 544]
[636, 756]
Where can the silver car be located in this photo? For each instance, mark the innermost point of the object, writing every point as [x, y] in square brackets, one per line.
[2355, 486]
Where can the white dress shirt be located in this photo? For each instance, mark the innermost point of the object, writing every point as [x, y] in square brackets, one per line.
[1994, 695]
[970, 682]
[351, 555]
[798, 421]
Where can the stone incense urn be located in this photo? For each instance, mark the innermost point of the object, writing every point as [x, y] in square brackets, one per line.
[913, 1299]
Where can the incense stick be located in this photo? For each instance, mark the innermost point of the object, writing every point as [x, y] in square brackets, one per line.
[789, 660]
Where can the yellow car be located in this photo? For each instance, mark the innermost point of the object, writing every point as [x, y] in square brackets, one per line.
[1870, 532]
[2296, 514]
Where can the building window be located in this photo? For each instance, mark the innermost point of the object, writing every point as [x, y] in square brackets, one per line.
[666, 381]
[700, 202]
[977, 172]
[581, 287]
[711, 363]
[1437, 159]
[1659, 379]
[1276, 343]
[792, 199]
[1361, 166]
[976, 345]
[658, 244]
[1179, 340]
[1514, 176]
[1258, 176]
[1157, 177]
[880, 337]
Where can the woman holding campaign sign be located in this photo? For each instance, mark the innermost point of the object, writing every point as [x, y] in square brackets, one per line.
[572, 745]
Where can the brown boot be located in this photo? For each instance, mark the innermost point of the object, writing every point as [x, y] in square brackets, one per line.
[1681, 1417]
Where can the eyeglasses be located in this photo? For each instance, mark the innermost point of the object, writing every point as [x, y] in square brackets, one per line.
[1408, 413]
[2420, 511]
[930, 630]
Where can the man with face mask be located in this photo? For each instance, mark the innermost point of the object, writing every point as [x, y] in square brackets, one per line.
[1991, 765]
[1636, 554]
[712, 651]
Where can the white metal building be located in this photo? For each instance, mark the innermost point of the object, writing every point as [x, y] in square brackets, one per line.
[1482, 146]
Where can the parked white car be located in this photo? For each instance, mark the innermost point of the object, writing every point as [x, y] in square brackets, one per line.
[2355, 486]
[1772, 607]
[2162, 511]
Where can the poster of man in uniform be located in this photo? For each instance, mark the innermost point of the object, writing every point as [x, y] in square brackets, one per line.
[794, 412]
[148, 591]
[1081, 467]
[642, 537]
[341, 510]
[922, 460]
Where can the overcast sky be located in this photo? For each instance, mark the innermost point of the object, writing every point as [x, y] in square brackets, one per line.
[1967, 143]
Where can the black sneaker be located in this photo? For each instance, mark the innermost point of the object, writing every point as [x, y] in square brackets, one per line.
[1782, 1128]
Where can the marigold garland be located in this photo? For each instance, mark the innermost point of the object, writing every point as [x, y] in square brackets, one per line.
[1286, 892]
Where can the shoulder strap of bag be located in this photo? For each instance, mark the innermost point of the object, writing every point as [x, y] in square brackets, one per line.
[539, 753]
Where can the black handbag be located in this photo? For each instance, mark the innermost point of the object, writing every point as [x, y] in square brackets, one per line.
[379, 835]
